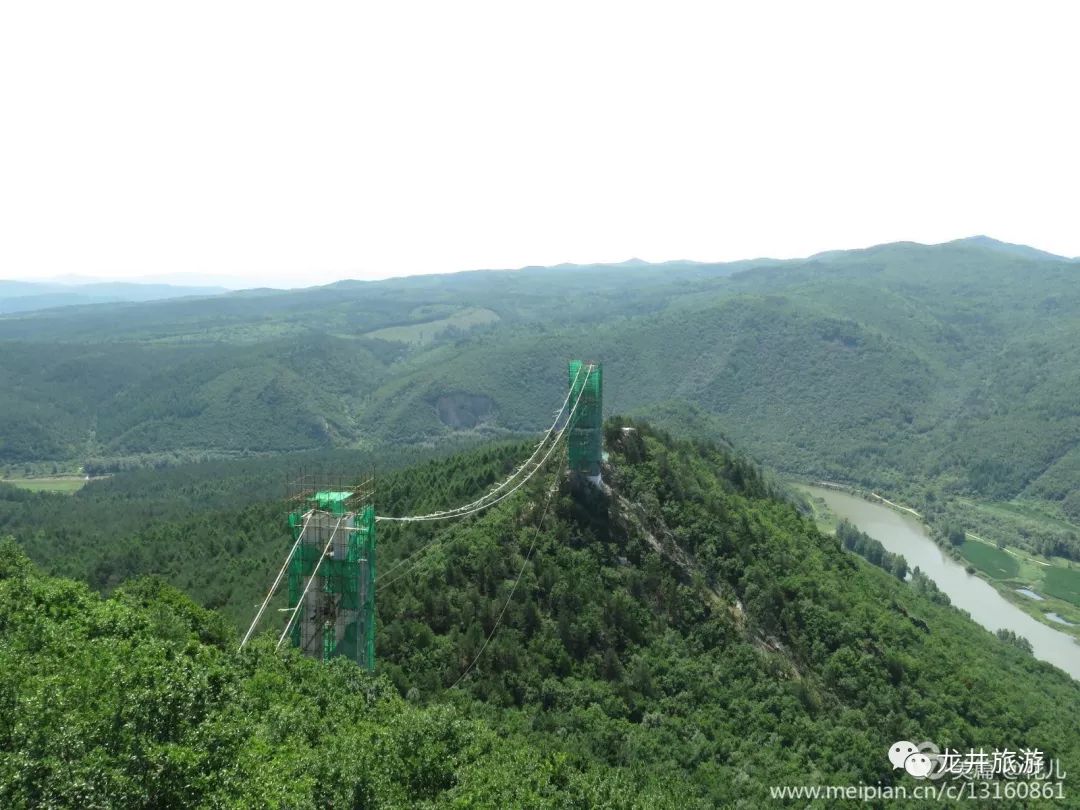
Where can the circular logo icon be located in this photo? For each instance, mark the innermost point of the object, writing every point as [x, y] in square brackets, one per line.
[899, 751]
[918, 765]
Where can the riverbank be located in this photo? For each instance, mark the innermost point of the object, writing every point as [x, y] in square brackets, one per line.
[1008, 570]
[900, 533]
[868, 494]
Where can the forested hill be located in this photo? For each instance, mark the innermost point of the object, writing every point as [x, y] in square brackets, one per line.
[685, 638]
[950, 365]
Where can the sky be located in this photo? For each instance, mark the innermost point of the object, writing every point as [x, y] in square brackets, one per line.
[286, 144]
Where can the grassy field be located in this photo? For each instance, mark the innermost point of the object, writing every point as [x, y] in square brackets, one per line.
[823, 516]
[420, 334]
[1057, 585]
[990, 559]
[61, 483]
[1035, 512]
[1064, 583]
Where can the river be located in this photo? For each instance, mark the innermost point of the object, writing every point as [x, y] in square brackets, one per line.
[902, 534]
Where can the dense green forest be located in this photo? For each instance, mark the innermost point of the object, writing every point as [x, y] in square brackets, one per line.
[865, 546]
[214, 528]
[931, 371]
[685, 637]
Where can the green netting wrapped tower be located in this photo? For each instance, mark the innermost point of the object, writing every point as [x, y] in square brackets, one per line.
[586, 440]
[337, 616]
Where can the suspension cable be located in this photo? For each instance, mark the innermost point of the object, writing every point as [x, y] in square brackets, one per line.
[513, 588]
[484, 502]
[529, 460]
[436, 539]
[452, 512]
[311, 579]
[277, 582]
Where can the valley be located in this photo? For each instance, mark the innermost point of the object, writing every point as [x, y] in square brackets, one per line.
[566, 406]
[901, 534]
[685, 635]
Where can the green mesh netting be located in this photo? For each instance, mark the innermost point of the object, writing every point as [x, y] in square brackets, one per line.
[586, 439]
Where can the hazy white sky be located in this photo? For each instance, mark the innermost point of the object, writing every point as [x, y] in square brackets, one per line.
[296, 143]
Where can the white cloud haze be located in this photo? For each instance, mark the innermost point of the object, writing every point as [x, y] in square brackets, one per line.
[297, 143]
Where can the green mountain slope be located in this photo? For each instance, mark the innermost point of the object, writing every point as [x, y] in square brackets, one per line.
[212, 528]
[142, 701]
[684, 639]
[916, 368]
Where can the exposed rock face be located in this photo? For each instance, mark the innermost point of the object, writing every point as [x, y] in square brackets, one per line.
[462, 410]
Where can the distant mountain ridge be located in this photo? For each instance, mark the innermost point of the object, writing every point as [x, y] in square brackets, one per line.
[980, 241]
[1022, 251]
[74, 289]
[28, 296]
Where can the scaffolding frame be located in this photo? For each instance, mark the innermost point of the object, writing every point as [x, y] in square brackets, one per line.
[337, 617]
[586, 440]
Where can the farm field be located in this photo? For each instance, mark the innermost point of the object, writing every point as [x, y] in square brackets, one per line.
[63, 483]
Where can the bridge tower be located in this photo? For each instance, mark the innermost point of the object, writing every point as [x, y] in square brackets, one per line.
[586, 440]
[337, 616]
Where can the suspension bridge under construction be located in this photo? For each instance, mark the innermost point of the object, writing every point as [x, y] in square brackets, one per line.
[331, 571]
